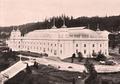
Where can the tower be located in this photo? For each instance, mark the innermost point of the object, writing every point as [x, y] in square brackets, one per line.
[18, 33]
[98, 29]
[54, 27]
[12, 36]
[63, 26]
[88, 26]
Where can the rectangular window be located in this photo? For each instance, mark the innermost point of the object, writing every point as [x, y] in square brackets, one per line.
[93, 51]
[84, 45]
[60, 51]
[44, 50]
[60, 45]
[55, 52]
[84, 51]
[76, 45]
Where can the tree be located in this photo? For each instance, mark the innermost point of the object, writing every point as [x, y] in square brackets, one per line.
[92, 74]
[28, 69]
[72, 58]
[80, 56]
[101, 57]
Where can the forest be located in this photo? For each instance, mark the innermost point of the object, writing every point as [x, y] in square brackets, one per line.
[110, 23]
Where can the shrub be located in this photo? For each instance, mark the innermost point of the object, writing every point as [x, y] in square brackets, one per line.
[101, 57]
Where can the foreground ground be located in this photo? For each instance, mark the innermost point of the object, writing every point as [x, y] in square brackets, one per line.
[49, 75]
[44, 75]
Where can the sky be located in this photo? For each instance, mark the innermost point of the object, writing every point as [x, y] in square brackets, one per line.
[17, 12]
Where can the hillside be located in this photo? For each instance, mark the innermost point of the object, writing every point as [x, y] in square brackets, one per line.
[111, 23]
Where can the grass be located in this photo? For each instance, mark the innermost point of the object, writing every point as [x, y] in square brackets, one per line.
[44, 75]
[6, 60]
[92, 60]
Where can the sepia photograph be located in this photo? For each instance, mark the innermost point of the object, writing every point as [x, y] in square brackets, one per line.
[59, 41]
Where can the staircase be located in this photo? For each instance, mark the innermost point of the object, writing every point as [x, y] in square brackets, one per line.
[12, 71]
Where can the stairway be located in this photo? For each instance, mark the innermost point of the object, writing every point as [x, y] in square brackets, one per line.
[12, 71]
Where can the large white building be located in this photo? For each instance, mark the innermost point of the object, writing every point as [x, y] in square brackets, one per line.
[62, 42]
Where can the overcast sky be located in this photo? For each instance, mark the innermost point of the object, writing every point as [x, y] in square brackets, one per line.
[15, 12]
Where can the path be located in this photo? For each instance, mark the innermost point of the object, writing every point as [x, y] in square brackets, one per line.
[76, 67]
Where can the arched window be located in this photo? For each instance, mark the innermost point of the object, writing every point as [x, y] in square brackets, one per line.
[93, 45]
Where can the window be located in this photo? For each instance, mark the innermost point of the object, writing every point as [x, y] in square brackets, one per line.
[84, 45]
[60, 45]
[105, 51]
[44, 50]
[55, 44]
[51, 44]
[76, 45]
[84, 51]
[55, 52]
[28, 48]
[93, 51]
[60, 51]
[93, 45]
[19, 46]
[51, 50]
[76, 50]
[100, 45]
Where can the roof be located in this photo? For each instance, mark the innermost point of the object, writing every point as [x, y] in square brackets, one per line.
[74, 31]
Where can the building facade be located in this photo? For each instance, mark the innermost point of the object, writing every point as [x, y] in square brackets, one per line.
[62, 42]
